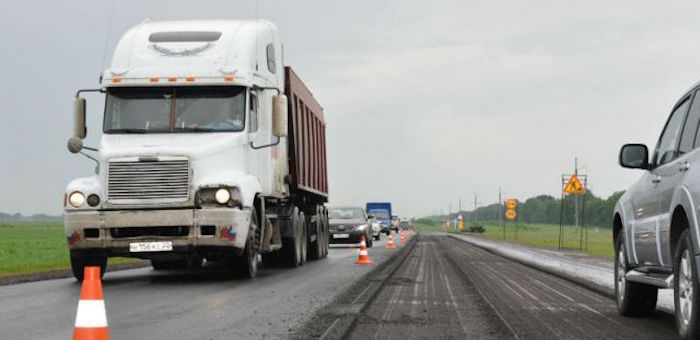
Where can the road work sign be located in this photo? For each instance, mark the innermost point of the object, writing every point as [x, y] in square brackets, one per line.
[511, 214]
[511, 203]
[574, 186]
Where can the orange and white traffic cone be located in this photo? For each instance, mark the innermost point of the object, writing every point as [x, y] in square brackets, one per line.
[364, 258]
[91, 318]
[402, 239]
[390, 244]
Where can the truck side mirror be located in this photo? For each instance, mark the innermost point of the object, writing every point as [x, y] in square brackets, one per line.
[634, 156]
[279, 115]
[79, 108]
[75, 144]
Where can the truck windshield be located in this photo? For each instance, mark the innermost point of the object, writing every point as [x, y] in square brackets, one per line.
[174, 109]
[383, 214]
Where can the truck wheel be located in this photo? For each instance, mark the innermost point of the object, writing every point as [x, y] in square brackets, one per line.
[633, 298]
[304, 239]
[316, 247]
[79, 261]
[686, 289]
[246, 265]
[291, 246]
[378, 237]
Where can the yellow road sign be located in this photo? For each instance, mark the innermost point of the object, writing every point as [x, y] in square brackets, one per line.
[574, 186]
[511, 214]
[511, 203]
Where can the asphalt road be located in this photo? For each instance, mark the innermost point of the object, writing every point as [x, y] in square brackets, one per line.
[201, 304]
[448, 289]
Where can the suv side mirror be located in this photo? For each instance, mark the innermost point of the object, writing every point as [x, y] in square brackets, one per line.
[634, 156]
[79, 108]
[279, 115]
[370, 216]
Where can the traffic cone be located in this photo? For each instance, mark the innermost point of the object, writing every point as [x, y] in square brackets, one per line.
[402, 239]
[390, 244]
[364, 258]
[91, 318]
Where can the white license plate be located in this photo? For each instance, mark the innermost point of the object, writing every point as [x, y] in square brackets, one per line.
[341, 235]
[140, 247]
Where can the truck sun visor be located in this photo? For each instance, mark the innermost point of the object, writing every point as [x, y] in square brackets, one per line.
[192, 36]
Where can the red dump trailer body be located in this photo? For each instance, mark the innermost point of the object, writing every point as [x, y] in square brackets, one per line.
[307, 141]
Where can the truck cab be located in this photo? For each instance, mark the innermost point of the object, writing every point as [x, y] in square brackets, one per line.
[194, 159]
[382, 213]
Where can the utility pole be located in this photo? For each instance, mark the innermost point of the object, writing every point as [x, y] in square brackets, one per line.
[576, 196]
[460, 206]
[500, 213]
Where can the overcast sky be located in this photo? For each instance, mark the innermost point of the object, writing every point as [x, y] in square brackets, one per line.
[425, 102]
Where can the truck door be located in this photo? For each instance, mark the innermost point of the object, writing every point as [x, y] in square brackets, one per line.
[664, 178]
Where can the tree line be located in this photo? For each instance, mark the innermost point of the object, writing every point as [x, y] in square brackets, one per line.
[596, 211]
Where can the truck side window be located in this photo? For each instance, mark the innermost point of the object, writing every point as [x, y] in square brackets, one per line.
[253, 125]
[666, 150]
[271, 62]
[691, 127]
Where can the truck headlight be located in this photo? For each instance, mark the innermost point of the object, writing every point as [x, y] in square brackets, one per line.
[230, 196]
[76, 199]
[222, 196]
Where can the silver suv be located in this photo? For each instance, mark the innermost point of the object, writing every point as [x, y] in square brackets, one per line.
[655, 228]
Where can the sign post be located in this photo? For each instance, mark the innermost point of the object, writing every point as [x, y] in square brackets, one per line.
[574, 185]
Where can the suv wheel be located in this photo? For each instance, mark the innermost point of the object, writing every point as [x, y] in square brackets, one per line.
[633, 298]
[685, 289]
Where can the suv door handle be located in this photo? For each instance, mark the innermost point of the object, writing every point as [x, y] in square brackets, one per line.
[684, 166]
[656, 179]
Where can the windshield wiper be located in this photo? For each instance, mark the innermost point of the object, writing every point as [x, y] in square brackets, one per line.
[126, 131]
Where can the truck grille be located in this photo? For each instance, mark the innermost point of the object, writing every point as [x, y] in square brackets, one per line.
[148, 180]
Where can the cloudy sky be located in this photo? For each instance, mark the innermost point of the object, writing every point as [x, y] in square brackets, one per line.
[425, 101]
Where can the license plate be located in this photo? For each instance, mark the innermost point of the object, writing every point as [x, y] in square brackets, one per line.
[341, 235]
[140, 247]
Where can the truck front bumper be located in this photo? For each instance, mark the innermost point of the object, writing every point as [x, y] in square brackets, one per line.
[189, 230]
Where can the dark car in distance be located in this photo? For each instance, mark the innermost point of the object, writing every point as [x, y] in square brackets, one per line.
[348, 224]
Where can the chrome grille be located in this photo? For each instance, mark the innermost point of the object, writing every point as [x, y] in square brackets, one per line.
[166, 179]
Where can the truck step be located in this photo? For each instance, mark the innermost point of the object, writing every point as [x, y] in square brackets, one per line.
[655, 279]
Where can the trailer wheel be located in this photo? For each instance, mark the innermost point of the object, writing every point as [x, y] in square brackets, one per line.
[316, 247]
[79, 261]
[303, 239]
[326, 233]
[291, 246]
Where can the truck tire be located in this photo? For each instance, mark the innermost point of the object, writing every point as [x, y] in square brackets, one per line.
[633, 298]
[79, 261]
[686, 290]
[378, 237]
[304, 244]
[316, 247]
[291, 246]
[325, 233]
[246, 265]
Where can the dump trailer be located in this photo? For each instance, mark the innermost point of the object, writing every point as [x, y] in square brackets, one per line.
[211, 149]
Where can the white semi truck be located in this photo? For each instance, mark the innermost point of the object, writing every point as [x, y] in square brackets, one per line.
[211, 149]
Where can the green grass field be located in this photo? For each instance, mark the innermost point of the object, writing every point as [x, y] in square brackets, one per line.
[30, 247]
[542, 235]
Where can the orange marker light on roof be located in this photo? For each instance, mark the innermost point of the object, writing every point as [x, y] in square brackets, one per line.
[116, 80]
[189, 79]
[228, 78]
[154, 80]
[172, 79]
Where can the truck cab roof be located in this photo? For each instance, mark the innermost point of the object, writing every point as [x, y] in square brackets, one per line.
[197, 52]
